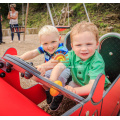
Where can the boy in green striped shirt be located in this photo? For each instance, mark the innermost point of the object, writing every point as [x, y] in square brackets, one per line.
[83, 60]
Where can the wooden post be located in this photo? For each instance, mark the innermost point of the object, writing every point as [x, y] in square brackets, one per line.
[26, 20]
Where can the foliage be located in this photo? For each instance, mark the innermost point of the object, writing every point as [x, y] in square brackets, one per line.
[104, 15]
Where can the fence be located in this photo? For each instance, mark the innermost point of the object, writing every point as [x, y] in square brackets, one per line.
[7, 32]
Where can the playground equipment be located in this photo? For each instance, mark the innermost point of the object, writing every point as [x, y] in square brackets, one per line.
[64, 13]
[16, 101]
[62, 28]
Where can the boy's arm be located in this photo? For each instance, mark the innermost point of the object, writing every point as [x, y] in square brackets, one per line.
[48, 65]
[57, 70]
[29, 55]
[83, 90]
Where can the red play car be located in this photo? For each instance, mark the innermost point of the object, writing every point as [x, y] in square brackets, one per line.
[16, 101]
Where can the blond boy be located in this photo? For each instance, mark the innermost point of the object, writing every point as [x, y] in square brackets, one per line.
[50, 47]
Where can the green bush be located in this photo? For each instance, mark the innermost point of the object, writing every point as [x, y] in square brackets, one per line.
[102, 25]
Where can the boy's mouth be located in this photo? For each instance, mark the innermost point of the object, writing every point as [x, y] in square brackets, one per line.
[84, 54]
[51, 50]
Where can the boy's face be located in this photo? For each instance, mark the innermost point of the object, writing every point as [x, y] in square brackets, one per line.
[84, 45]
[50, 42]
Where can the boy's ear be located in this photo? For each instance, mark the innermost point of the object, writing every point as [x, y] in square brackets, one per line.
[71, 45]
[40, 42]
[97, 45]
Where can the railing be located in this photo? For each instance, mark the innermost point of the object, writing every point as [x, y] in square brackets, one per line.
[7, 32]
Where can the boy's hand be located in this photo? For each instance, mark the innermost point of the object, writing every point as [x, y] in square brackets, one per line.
[70, 88]
[41, 69]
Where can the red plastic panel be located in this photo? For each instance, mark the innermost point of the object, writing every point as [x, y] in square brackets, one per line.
[35, 93]
[13, 103]
[61, 29]
[11, 51]
[89, 109]
[77, 112]
[111, 102]
[98, 93]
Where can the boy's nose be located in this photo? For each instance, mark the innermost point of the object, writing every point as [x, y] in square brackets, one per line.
[83, 48]
[50, 46]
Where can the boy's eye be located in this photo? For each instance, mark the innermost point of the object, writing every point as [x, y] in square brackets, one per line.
[78, 45]
[89, 44]
[53, 41]
[45, 43]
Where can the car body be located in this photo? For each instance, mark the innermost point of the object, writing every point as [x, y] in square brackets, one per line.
[16, 101]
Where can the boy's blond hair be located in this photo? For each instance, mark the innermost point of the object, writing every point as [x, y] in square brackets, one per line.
[83, 27]
[47, 30]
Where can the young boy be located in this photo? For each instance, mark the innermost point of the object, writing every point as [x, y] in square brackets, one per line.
[50, 47]
[84, 60]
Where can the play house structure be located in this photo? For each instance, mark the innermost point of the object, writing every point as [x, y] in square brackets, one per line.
[16, 101]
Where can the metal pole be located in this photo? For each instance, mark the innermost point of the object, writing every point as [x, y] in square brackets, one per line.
[86, 12]
[26, 20]
[48, 7]
[22, 14]
[68, 13]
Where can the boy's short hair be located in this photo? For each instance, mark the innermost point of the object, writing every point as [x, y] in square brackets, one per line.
[82, 27]
[47, 30]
